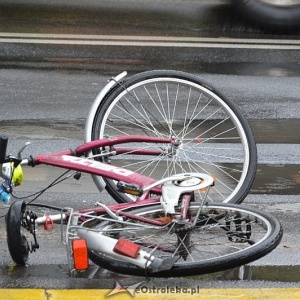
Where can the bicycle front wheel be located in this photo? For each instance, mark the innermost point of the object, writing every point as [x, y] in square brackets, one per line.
[18, 245]
[224, 236]
[213, 134]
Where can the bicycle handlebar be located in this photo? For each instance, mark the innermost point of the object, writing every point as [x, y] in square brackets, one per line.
[3, 147]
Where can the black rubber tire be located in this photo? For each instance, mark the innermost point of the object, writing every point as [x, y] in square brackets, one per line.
[17, 243]
[233, 260]
[106, 103]
[270, 18]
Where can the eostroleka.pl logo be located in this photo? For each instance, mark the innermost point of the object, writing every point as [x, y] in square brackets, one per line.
[138, 289]
[121, 289]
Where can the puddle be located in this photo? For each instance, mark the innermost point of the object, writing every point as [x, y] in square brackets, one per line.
[276, 131]
[43, 129]
[277, 179]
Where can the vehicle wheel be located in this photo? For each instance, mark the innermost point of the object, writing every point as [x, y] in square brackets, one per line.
[17, 243]
[214, 136]
[271, 15]
[226, 236]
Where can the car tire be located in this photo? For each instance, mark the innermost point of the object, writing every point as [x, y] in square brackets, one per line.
[270, 18]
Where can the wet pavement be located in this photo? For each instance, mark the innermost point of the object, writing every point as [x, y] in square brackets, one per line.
[47, 89]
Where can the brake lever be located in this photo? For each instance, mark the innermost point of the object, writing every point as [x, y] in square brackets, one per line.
[21, 150]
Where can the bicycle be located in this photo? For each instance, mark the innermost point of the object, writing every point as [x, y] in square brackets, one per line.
[170, 230]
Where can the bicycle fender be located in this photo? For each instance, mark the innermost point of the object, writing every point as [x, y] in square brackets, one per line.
[90, 119]
[106, 245]
[96, 103]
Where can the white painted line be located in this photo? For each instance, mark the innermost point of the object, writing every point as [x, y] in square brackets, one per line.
[148, 41]
[149, 38]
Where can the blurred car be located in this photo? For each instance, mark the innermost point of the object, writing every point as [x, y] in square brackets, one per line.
[271, 15]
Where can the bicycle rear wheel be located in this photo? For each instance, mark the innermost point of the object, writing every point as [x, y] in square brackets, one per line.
[225, 236]
[214, 136]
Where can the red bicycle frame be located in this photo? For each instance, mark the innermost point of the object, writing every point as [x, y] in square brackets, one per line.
[76, 160]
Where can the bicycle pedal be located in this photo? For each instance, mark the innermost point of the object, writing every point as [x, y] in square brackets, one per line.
[128, 188]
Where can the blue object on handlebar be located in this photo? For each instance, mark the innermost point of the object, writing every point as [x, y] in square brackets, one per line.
[4, 196]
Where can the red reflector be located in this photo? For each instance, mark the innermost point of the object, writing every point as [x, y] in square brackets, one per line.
[127, 248]
[49, 224]
[80, 254]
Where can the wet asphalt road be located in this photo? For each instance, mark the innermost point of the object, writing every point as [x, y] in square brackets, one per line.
[47, 87]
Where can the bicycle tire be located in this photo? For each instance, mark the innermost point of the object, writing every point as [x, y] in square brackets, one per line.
[267, 240]
[17, 243]
[202, 118]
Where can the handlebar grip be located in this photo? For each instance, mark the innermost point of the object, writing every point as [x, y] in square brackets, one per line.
[3, 147]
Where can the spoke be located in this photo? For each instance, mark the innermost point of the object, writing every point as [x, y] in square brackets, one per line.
[168, 106]
[185, 248]
[135, 98]
[194, 118]
[185, 126]
[143, 165]
[135, 121]
[162, 110]
[211, 155]
[158, 110]
[175, 104]
[210, 163]
[146, 118]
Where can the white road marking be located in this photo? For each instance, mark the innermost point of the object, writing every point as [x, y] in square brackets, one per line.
[149, 41]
